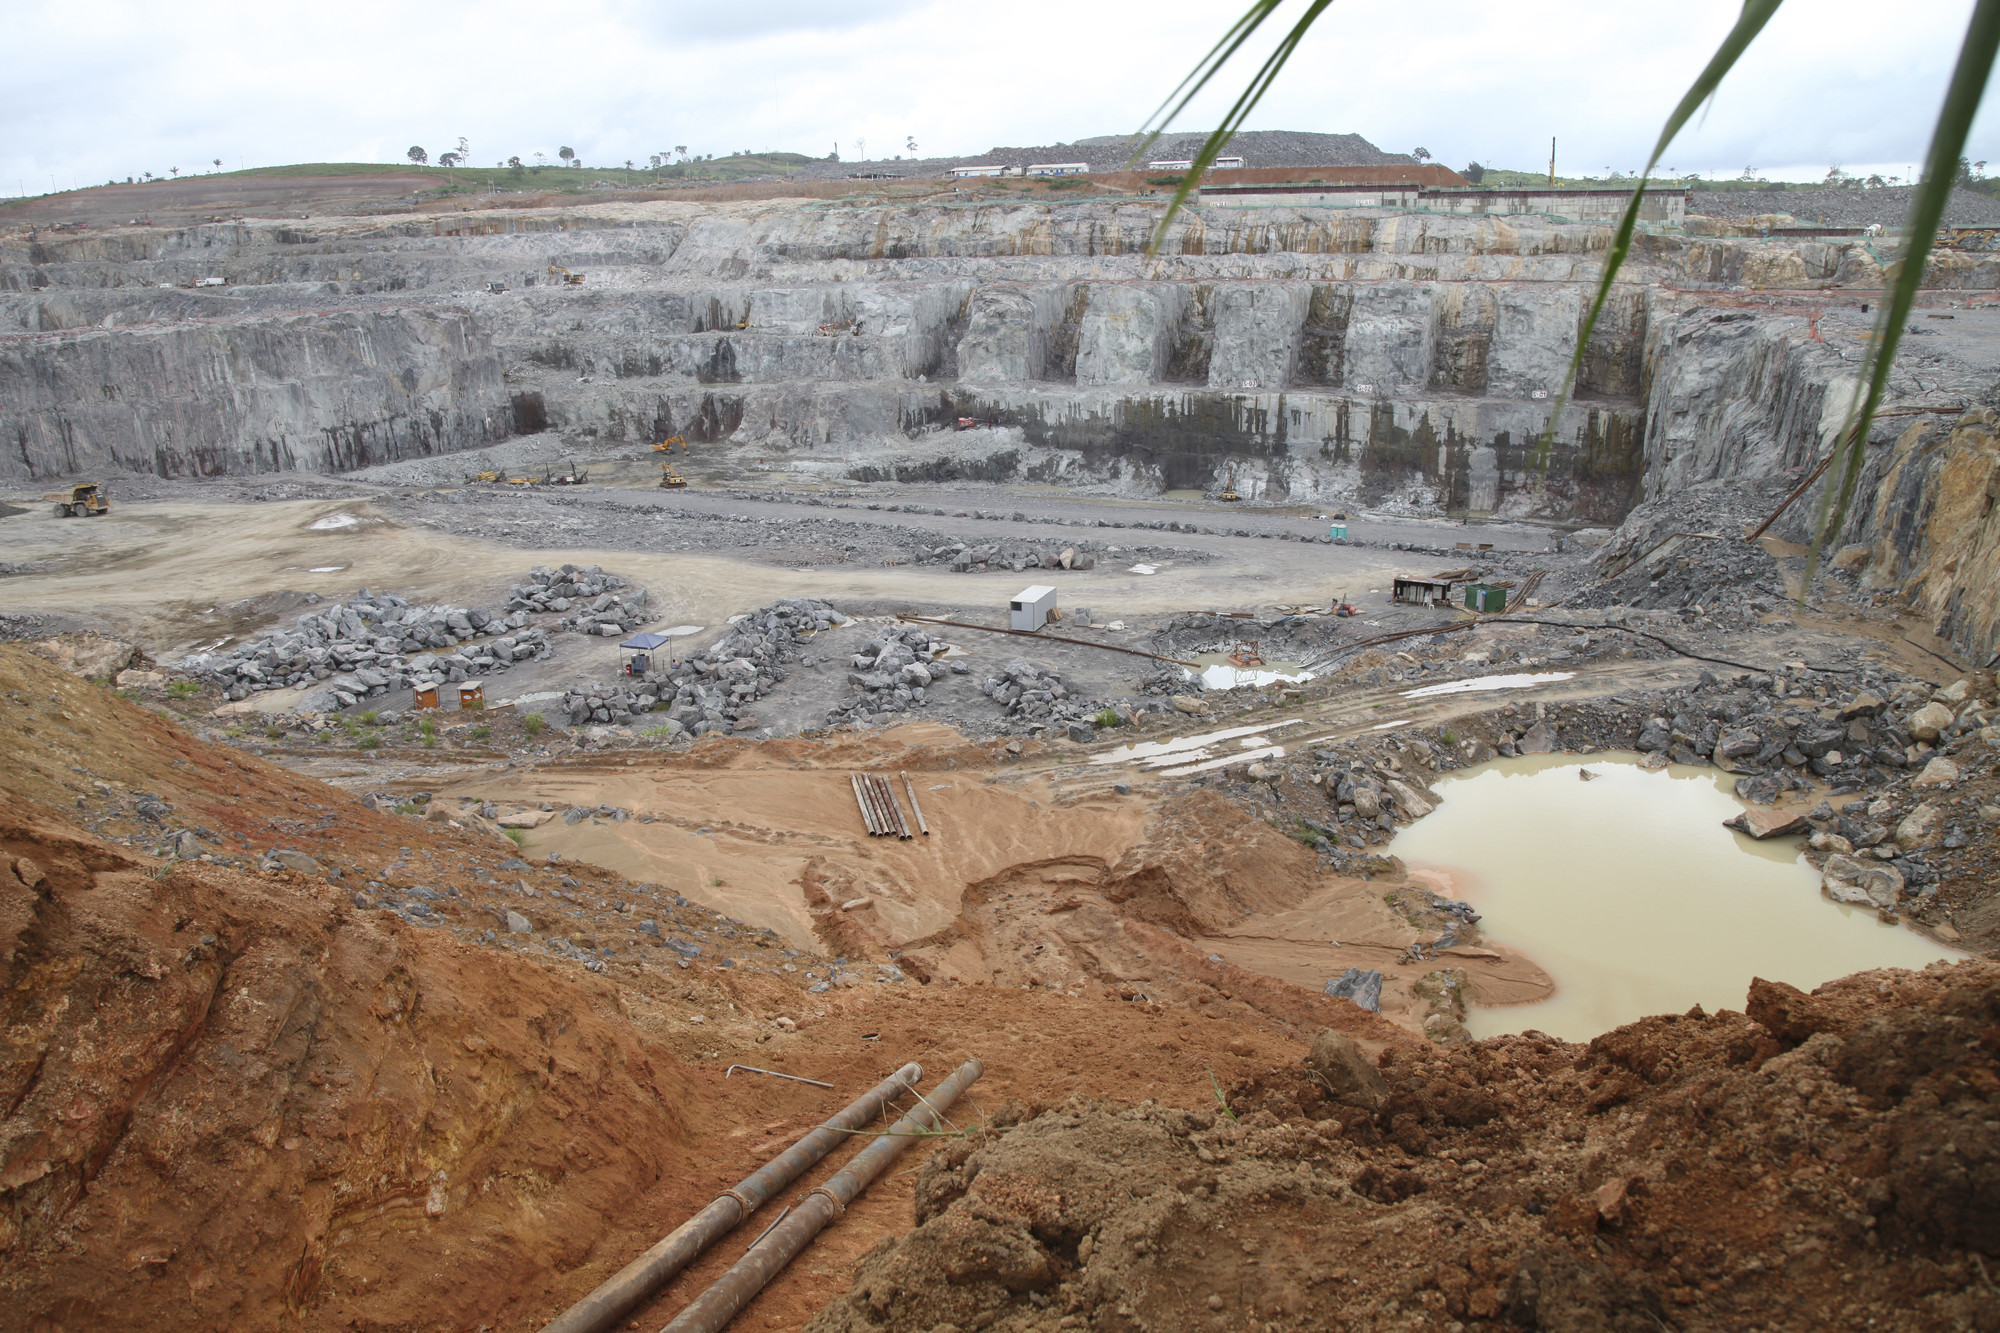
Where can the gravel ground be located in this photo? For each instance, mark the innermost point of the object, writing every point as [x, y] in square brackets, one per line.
[1844, 208]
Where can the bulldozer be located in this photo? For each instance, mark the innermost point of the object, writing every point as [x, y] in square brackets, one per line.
[80, 500]
[669, 479]
[667, 446]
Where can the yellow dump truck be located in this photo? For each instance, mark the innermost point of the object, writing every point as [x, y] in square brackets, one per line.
[86, 497]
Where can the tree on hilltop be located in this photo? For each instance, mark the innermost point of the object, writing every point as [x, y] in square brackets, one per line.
[417, 154]
[568, 155]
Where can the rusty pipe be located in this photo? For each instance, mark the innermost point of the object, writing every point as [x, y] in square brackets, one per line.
[735, 1289]
[861, 799]
[635, 1283]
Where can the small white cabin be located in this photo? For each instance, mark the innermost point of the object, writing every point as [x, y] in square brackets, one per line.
[1030, 608]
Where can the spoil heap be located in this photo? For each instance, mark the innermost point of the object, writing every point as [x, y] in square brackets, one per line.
[371, 644]
[1824, 1161]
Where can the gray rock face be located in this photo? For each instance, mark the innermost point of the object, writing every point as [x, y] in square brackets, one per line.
[298, 861]
[1846, 879]
[324, 393]
[518, 924]
[1362, 987]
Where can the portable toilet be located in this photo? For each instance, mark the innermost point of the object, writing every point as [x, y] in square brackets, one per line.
[1031, 606]
[472, 696]
[427, 697]
[1337, 531]
[1485, 598]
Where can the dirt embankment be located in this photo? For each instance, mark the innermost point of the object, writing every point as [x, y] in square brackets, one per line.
[238, 1097]
[1829, 1161]
[232, 1100]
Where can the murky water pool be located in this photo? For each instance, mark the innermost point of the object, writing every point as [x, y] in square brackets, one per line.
[1632, 896]
[1218, 674]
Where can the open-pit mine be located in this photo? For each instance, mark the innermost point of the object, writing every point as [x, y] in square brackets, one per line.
[517, 709]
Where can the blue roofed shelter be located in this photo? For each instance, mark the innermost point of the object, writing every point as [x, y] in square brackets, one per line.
[642, 647]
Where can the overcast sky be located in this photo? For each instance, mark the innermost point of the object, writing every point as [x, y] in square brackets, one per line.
[97, 89]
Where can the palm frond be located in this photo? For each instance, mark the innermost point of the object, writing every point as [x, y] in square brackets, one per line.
[1750, 22]
[1961, 104]
[1246, 102]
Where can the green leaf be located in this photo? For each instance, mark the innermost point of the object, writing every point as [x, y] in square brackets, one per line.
[1755, 14]
[1961, 103]
[1211, 64]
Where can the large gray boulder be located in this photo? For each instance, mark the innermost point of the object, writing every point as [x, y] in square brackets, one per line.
[1862, 883]
[1362, 987]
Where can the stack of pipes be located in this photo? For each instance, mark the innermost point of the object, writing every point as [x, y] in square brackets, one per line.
[881, 813]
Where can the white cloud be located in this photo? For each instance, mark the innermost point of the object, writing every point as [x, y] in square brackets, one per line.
[112, 89]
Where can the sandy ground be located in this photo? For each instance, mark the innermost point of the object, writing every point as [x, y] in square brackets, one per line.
[176, 575]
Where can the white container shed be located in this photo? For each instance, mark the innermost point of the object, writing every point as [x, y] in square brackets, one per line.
[1030, 607]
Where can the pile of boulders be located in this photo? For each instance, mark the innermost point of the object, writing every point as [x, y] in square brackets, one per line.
[597, 602]
[895, 670]
[371, 644]
[966, 559]
[1024, 690]
[611, 705]
[713, 691]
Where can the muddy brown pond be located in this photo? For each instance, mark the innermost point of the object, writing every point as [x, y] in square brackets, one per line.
[1630, 893]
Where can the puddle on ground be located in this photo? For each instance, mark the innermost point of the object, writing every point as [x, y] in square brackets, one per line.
[1218, 674]
[1479, 684]
[1190, 749]
[1629, 892]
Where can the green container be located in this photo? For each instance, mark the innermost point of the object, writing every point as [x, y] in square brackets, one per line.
[1485, 599]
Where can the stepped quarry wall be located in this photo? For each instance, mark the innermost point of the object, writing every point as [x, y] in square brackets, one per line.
[1404, 360]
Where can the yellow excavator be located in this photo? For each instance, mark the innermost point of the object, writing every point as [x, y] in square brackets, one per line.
[474, 478]
[569, 279]
[81, 500]
[667, 446]
[669, 479]
[1228, 491]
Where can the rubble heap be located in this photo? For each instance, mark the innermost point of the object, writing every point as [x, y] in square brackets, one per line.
[713, 691]
[894, 670]
[371, 644]
[1024, 690]
[615, 606]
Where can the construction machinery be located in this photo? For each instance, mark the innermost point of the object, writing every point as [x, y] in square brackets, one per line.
[669, 479]
[474, 478]
[80, 500]
[667, 446]
[568, 278]
[1245, 655]
[1228, 491]
[569, 474]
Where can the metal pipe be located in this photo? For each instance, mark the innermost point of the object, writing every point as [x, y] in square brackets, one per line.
[861, 799]
[883, 826]
[636, 1283]
[896, 804]
[753, 1272]
[911, 787]
[1057, 638]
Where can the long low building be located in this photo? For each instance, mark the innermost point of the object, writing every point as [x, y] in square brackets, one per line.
[1662, 204]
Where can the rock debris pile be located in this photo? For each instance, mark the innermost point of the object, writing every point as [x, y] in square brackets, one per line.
[371, 644]
[601, 603]
[895, 671]
[713, 692]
